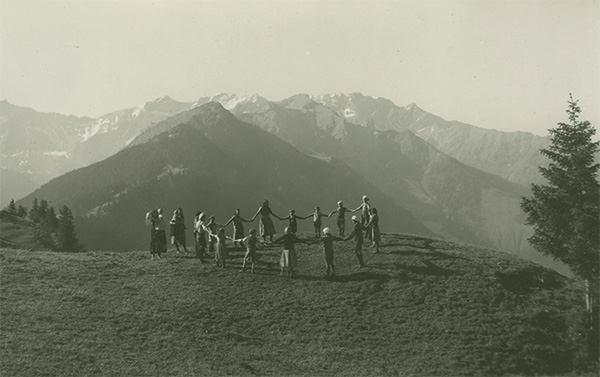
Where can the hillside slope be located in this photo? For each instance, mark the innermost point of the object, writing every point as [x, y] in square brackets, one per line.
[420, 307]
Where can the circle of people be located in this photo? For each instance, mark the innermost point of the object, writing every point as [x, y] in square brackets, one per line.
[210, 236]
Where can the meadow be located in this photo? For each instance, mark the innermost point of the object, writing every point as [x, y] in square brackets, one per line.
[420, 307]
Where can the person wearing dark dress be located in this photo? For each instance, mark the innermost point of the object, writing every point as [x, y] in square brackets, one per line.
[267, 229]
[238, 227]
[293, 220]
[200, 236]
[328, 239]
[288, 255]
[373, 227]
[341, 217]
[357, 234]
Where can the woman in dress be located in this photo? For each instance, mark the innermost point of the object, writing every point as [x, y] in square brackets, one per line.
[200, 235]
[266, 223]
[288, 255]
[238, 227]
[373, 227]
[160, 233]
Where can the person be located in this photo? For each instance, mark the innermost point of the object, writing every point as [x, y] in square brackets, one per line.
[341, 217]
[212, 227]
[158, 237]
[200, 235]
[151, 221]
[178, 230]
[373, 227]
[293, 219]
[357, 234]
[328, 239]
[364, 209]
[238, 227]
[250, 243]
[288, 255]
[266, 223]
[317, 220]
[221, 252]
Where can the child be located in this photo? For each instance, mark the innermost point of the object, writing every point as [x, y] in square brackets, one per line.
[328, 239]
[288, 255]
[293, 220]
[357, 234]
[221, 252]
[373, 228]
[341, 217]
[238, 227]
[317, 220]
[250, 242]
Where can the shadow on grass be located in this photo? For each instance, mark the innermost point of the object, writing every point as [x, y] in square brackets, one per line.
[429, 268]
[357, 276]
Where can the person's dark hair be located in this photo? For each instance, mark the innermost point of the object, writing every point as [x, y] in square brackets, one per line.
[374, 210]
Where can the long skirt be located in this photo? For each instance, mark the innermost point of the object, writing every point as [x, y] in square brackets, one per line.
[288, 258]
[221, 253]
[238, 232]
[160, 241]
[375, 234]
[266, 226]
[179, 234]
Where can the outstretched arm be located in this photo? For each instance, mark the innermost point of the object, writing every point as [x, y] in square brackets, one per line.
[358, 208]
[230, 220]
[304, 217]
[256, 214]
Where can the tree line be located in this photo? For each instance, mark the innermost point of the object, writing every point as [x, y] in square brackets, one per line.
[56, 232]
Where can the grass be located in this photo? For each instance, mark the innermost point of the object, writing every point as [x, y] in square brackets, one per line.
[420, 307]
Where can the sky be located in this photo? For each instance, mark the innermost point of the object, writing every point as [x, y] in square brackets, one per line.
[506, 65]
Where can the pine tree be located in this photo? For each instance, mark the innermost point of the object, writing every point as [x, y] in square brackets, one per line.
[22, 212]
[51, 220]
[565, 212]
[66, 236]
[33, 213]
[12, 209]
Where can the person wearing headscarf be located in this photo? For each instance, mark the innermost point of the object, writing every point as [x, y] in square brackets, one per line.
[357, 234]
[328, 239]
[265, 222]
[288, 258]
[238, 226]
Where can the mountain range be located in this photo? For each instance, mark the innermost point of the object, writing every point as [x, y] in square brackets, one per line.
[460, 181]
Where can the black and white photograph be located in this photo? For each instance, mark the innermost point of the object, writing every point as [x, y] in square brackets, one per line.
[299, 188]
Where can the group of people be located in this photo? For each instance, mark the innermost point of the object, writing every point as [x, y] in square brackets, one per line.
[210, 236]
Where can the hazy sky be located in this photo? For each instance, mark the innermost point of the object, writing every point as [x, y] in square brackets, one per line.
[508, 65]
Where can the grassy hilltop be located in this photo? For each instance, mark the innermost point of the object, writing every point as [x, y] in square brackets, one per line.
[420, 307]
